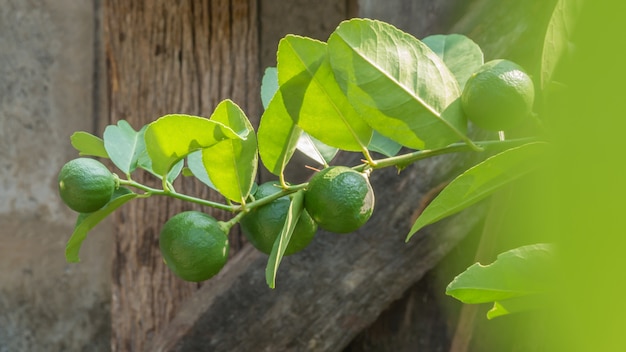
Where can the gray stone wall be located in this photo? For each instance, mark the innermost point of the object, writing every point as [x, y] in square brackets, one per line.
[47, 90]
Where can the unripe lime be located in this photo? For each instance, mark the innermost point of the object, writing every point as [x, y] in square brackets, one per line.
[339, 199]
[262, 225]
[194, 246]
[498, 96]
[85, 185]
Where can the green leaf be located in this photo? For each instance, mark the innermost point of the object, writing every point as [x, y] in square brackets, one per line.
[385, 146]
[145, 163]
[269, 86]
[313, 98]
[124, 145]
[196, 166]
[315, 149]
[396, 83]
[88, 144]
[462, 56]
[278, 136]
[88, 221]
[516, 305]
[172, 137]
[293, 214]
[232, 163]
[557, 40]
[479, 182]
[517, 281]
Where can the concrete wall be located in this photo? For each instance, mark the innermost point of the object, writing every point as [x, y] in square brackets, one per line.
[47, 90]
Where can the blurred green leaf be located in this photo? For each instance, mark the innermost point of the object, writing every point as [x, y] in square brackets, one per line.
[88, 221]
[232, 164]
[462, 56]
[517, 281]
[88, 144]
[517, 305]
[518, 272]
[396, 83]
[124, 145]
[480, 181]
[313, 98]
[558, 35]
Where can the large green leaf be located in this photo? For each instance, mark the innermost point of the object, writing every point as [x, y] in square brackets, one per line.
[88, 144]
[124, 145]
[232, 163]
[557, 41]
[88, 221]
[313, 98]
[172, 137]
[396, 83]
[282, 241]
[517, 281]
[462, 56]
[480, 181]
[278, 136]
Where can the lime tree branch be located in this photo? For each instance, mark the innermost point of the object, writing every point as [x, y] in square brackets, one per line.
[159, 192]
[406, 159]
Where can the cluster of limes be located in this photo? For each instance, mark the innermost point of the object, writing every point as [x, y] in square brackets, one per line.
[195, 245]
[338, 199]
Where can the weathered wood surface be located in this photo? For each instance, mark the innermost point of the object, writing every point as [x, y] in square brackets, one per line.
[168, 57]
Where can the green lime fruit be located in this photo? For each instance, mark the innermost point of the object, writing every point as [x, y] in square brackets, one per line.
[194, 245]
[498, 96]
[85, 185]
[339, 199]
[263, 225]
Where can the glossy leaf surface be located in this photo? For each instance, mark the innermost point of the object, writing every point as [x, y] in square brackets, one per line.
[462, 56]
[396, 83]
[313, 98]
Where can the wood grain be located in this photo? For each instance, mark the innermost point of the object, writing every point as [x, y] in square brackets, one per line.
[169, 57]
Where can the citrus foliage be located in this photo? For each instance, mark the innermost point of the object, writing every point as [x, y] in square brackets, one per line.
[371, 89]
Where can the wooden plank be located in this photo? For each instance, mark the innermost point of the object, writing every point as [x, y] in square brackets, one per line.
[168, 57]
